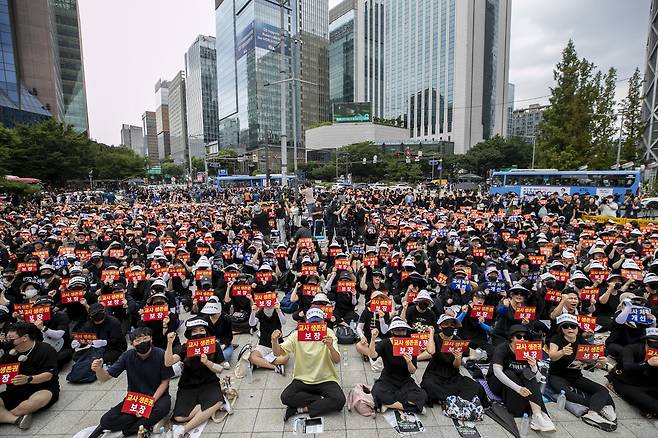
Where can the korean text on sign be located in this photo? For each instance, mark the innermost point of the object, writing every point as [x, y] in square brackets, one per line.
[402, 346]
[241, 290]
[591, 352]
[524, 350]
[197, 347]
[521, 313]
[112, 300]
[265, 300]
[381, 305]
[7, 372]
[587, 323]
[156, 313]
[37, 313]
[423, 339]
[202, 295]
[137, 404]
[484, 311]
[311, 331]
[639, 315]
[454, 346]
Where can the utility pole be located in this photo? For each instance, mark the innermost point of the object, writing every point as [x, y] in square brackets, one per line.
[621, 131]
[284, 97]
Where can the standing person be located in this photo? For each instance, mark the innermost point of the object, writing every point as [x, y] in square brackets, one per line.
[309, 199]
[36, 386]
[147, 374]
[314, 389]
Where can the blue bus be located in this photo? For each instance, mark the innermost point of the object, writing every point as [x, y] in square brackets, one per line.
[528, 183]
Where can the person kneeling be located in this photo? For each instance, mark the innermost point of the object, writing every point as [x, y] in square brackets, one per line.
[395, 388]
[199, 394]
[314, 389]
[36, 385]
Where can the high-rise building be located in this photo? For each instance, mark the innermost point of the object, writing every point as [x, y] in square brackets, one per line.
[248, 70]
[650, 91]
[178, 119]
[162, 118]
[439, 67]
[524, 123]
[17, 105]
[149, 127]
[49, 59]
[201, 94]
[133, 137]
[510, 109]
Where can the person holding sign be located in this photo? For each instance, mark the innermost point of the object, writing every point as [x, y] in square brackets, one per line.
[268, 319]
[516, 380]
[199, 394]
[56, 331]
[369, 320]
[475, 319]
[147, 375]
[314, 390]
[395, 388]
[303, 293]
[569, 352]
[507, 315]
[419, 315]
[636, 380]
[32, 381]
[629, 324]
[343, 292]
[110, 340]
[220, 326]
[158, 317]
[442, 377]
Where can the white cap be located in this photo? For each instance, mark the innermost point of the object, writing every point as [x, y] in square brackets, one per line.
[566, 317]
[212, 308]
[315, 313]
[398, 322]
[445, 317]
[650, 278]
[423, 295]
[320, 298]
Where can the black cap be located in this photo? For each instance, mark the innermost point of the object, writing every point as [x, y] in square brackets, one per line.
[96, 309]
[517, 328]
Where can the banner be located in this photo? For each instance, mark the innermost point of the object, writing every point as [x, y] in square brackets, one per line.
[138, 404]
[311, 331]
[381, 305]
[590, 352]
[526, 312]
[454, 346]
[37, 313]
[403, 346]
[155, 313]
[112, 300]
[485, 311]
[265, 300]
[524, 350]
[197, 347]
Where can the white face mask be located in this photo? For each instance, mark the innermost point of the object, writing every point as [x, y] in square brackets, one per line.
[30, 292]
[269, 311]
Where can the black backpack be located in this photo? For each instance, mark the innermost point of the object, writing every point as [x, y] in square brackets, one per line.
[346, 335]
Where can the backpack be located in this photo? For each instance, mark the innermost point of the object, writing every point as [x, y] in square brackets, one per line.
[288, 306]
[240, 322]
[459, 409]
[81, 371]
[346, 335]
[242, 365]
[360, 399]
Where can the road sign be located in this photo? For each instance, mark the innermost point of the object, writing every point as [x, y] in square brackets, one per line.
[222, 172]
[433, 162]
[213, 164]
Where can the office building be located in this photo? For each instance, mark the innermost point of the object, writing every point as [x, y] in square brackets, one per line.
[201, 94]
[248, 57]
[438, 67]
[162, 118]
[510, 108]
[133, 137]
[178, 139]
[49, 57]
[650, 91]
[149, 128]
[17, 105]
[525, 122]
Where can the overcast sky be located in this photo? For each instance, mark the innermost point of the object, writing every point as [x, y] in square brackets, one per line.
[129, 44]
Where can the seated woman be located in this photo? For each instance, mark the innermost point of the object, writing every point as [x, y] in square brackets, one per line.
[199, 393]
[623, 332]
[636, 381]
[268, 320]
[566, 375]
[395, 388]
[516, 381]
[442, 377]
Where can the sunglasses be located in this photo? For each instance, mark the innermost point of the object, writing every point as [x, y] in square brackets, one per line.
[570, 326]
[520, 337]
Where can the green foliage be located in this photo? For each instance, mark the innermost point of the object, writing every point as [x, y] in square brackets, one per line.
[318, 124]
[579, 126]
[169, 169]
[495, 153]
[18, 187]
[634, 125]
[55, 153]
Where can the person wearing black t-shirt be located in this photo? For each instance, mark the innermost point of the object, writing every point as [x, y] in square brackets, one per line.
[442, 377]
[395, 388]
[369, 321]
[566, 375]
[475, 329]
[147, 374]
[268, 320]
[199, 393]
[36, 386]
[516, 381]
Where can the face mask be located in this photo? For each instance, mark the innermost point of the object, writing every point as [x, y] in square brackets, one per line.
[579, 284]
[49, 275]
[448, 331]
[143, 347]
[269, 311]
[652, 344]
[423, 305]
[98, 318]
[30, 292]
[7, 345]
[197, 336]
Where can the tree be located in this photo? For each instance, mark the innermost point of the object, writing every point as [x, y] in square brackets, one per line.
[496, 153]
[169, 169]
[8, 141]
[601, 154]
[634, 125]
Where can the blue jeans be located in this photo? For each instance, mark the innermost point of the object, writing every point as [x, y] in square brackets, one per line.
[228, 352]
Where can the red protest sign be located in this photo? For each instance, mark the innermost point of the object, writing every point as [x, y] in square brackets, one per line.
[178, 271]
[138, 404]
[441, 279]
[311, 331]
[241, 290]
[84, 337]
[346, 286]
[280, 253]
[306, 242]
[155, 313]
[43, 255]
[485, 311]
[230, 276]
[137, 275]
[381, 305]
[525, 312]
[26, 267]
[411, 296]
[423, 339]
[309, 290]
[402, 346]
[309, 270]
[650, 352]
[587, 323]
[333, 252]
[197, 347]
[200, 273]
[20, 308]
[82, 254]
[454, 346]
[632, 274]
[202, 250]
[109, 275]
[8, 371]
[370, 261]
[116, 253]
[560, 275]
[590, 352]
[589, 293]
[265, 300]
[112, 300]
[553, 295]
[537, 259]
[264, 276]
[72, 296]
[328, 311]
[599, 274]
[37, 313]
[202, 295]
[479, 252]
[524, 350]
[342, 264]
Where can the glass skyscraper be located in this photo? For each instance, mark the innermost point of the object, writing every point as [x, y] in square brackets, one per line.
[201, 94]
[342, 27]
[178, 119]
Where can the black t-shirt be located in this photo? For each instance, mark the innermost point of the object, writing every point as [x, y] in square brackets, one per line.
[42, 359]
[564, 366]
[414, 316]
[144, 375]
[267, 325]
[441, 364]
[395, 367]
[195, 373]
[504, 355]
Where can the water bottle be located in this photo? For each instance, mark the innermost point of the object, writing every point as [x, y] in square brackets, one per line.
[298, 426]
[525, 425]
[345, 355]
[250, 371]
[561, 400]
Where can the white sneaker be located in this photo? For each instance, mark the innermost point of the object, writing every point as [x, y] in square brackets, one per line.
[608, 412]
[595, 419]
[542, 423]
[550, 427]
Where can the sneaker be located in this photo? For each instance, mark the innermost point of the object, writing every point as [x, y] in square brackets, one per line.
[608, 412]
[24, 421]
[594, 419]
[280, 369]
[541, 423]
[290, 412]
[226, 365]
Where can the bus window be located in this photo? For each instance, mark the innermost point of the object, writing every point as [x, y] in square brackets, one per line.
[630, 180]
[497, 181]
[512, 180]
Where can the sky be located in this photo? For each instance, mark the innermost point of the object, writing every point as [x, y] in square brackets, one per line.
[129, 44]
